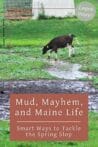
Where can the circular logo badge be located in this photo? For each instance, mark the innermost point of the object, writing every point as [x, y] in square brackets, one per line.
[85, 11]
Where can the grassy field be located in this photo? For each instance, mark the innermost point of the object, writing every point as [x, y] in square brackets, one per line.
[92, 141]
[25, 39]
[24, 43]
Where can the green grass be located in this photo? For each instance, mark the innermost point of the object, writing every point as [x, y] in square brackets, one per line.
[39, 32]
[22, 65]
[92, 141]
[27, 42]
[26, 39]
[95, 82]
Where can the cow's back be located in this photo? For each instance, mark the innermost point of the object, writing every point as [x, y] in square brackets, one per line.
[60, 41]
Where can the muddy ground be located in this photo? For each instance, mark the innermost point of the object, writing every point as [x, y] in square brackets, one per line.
[45, 86]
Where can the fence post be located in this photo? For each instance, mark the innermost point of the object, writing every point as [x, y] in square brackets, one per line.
[3, 23]
[3, 32]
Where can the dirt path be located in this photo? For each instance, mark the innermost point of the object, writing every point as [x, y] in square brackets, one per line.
[45, 86]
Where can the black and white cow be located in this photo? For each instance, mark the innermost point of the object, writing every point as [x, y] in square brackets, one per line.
[60, 42]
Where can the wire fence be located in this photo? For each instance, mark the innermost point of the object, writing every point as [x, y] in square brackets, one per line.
[12, 10]
[18, 10]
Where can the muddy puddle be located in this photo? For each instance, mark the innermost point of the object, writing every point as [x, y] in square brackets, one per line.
[61, 69]
[70, 73]
[66, 70]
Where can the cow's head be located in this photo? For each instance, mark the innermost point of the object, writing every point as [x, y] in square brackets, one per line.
[45, 49]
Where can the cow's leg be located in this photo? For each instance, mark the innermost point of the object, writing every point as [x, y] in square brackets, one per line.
[56, 55]
[73, 50]
[55, 51]
[49, 54]
[70, 49]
